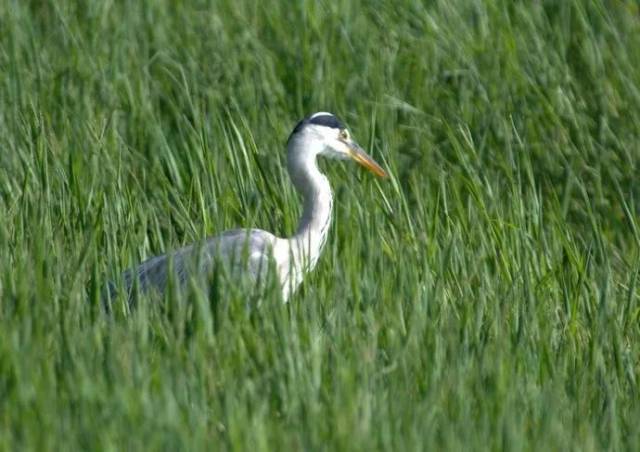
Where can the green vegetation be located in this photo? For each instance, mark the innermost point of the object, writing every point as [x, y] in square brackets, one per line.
[484, 297]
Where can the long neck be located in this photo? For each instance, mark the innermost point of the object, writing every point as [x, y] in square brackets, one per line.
[314, 225]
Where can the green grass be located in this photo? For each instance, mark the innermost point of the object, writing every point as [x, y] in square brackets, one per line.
[484, 297]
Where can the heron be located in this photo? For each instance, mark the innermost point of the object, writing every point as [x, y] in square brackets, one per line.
[248, 253]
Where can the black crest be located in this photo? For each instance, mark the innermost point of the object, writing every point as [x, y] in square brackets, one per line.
[323, 119]
[327, 120]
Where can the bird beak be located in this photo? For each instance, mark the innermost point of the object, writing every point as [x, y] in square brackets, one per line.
[358, 154]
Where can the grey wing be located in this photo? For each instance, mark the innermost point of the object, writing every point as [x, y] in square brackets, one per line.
[242, 252]
[152, 274]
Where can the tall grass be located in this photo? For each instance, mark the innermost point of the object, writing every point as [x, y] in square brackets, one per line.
[485, 296]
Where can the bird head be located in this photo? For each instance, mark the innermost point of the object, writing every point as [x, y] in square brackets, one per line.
[324, 134]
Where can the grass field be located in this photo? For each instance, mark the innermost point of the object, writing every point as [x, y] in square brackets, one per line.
[485, 296]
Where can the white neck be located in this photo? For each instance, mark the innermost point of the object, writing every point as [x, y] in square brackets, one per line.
[314, 187]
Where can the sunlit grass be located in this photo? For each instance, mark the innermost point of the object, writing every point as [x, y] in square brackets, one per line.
[484, 296]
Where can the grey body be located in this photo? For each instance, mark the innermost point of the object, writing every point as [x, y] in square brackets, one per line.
[248, 254]
[241, 252]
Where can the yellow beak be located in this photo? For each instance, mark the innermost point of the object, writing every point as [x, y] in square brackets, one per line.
[359, 155]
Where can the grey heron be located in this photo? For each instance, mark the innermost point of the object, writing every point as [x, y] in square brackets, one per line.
[249, 252]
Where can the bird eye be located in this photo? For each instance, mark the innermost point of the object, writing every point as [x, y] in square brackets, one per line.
[344, 134]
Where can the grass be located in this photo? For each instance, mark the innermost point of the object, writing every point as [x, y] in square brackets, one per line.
[484, 297]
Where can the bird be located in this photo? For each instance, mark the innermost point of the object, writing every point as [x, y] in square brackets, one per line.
[247, 254]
